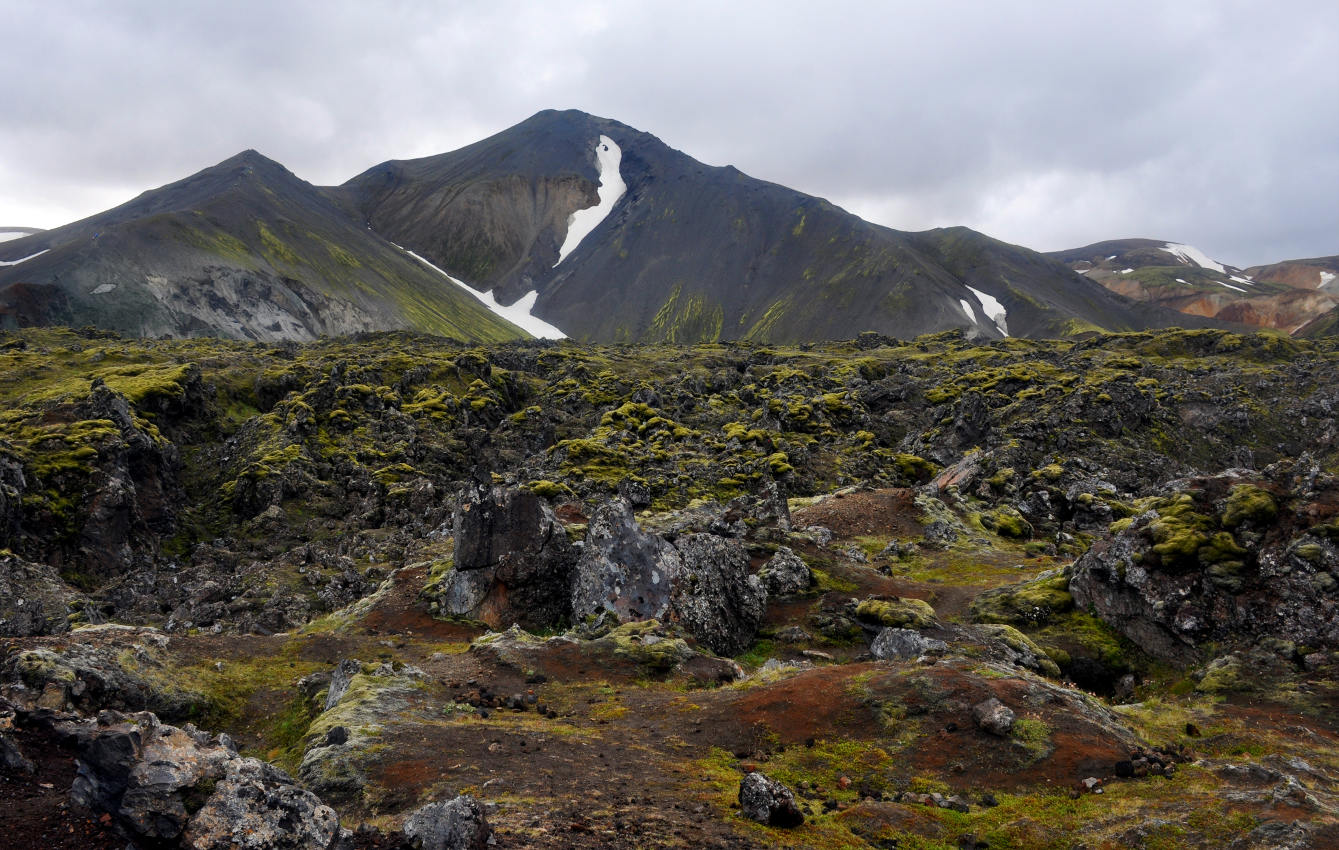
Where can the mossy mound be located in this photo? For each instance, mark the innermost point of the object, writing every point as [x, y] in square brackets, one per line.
[897, 613]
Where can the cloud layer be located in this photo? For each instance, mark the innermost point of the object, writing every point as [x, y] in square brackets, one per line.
[1049, 124]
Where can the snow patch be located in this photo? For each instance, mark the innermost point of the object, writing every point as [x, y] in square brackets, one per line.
[1126, 271]
[993, 309]
[23, 259]
[1112, 257]
[518, 314]
[1326, 278]
[6, 235]
[1229, 286]
[608, 155]
[1194, 256]
[1179, 280]
[967, 308]
[1240, 279]
[104, 288]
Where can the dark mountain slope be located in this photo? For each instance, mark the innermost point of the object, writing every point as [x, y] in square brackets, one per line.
[693, 252]
[243, 249]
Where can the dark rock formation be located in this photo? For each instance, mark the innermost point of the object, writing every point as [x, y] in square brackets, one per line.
[897, 644]
[622, 569]
[458, 824]
[993, 716]
[716, 599]
[1226, 560]
[33, 599]
[768, 802]
[785, 573]
[513, 562]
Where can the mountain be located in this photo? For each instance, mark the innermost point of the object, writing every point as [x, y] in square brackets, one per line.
[1284, 296]
[8, 233]
[690, 252]
[244, 249]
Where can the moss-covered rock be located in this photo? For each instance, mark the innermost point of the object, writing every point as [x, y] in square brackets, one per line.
[897, 613]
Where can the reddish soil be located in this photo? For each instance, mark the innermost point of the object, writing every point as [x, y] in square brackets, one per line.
[884, 513]
[36, 808]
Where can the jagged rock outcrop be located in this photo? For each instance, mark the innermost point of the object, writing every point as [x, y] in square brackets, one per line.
[716, 598]
[785, 573]
[513, 562]
[1226, 560]
[169, 786]
[33, 599]
[90, 675]
[623, 570]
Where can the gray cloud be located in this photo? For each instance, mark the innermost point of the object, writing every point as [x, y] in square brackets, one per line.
[1049, 124]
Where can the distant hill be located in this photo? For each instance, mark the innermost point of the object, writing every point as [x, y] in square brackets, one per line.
[1284, 296]
[243, 249]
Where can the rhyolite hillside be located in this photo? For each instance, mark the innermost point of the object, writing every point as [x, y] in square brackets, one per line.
[1284, 296]
[874, 593]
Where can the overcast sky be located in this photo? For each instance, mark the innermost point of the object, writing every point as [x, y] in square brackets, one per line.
[1048, 124]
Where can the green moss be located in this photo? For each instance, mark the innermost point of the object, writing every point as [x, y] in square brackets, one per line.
[646, 644]
[1248, 503]
[1006, 521]
[914, 468]
[1031, 603]
[897, 613]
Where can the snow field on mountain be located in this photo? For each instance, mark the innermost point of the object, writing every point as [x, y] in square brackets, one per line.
[518, 313]
[23, 259]
[1194, 256]
[993, 309]
[608, 156]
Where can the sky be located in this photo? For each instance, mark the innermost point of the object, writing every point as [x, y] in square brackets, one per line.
[1046, 124]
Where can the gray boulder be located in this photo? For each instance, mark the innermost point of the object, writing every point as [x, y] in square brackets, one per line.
[716, 598]
[993, 716]
[768, 802]
[622, 569]
[458, 824]
[513, 562]
[897, 644]
[257, 806]
[169, 786]
[33, 599]
[785, 573]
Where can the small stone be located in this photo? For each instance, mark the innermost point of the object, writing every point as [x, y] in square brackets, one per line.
[993, 716]
[769, 802]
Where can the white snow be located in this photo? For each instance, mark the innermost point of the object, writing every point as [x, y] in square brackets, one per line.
[104, 288]
[6, 235]
[1240, 279]
[1229, 286]
[1112, 257]
[993, 309]
[1179, 280]
[967, 308]
[608, 155]
[23, 259]
[518, 314]
[1126, 271]
[1325, 279]
[1194, 256]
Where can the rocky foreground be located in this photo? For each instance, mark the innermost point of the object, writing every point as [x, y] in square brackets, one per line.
[401, 592]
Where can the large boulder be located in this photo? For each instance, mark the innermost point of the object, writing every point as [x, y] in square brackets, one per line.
[168, 786]
[623, 570]
[1221, 562]
[458, 824]
[716, 599]
[513, 561]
